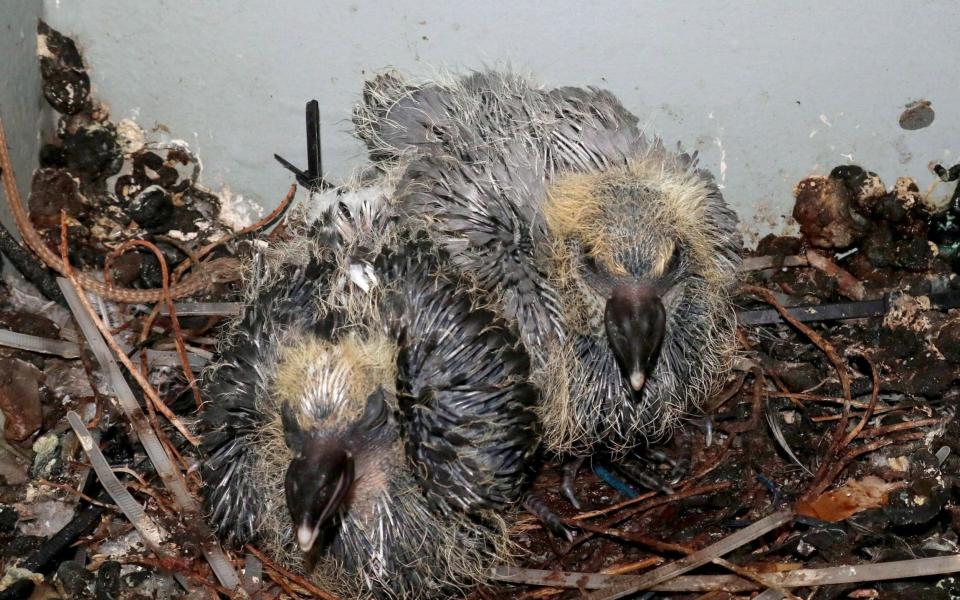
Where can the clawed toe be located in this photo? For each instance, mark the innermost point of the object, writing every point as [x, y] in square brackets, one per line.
[646, 479]
[625, 474]
[536, 506]
[568, 487]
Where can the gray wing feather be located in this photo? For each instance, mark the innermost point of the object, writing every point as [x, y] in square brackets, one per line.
[481, 216]
[470, 429]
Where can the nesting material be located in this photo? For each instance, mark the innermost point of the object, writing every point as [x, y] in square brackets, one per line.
[864, 436]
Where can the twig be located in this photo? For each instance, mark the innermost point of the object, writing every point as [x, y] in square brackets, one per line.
[704, 471]
[874, 395]
[202, 252]
[182, 247]
[661, 546]
[837, 466]
[630, 567]
[619, 569]
[820, 343]
[839, 432]
[814, 398]
[284, 584]
[847, 284]
[697, 559]
[839, 575]
[279, 210]
[91, 381]
[165, 358]
[179, 567]
[606, 510]
[291, 576]
[759, 263]
[225, 269]
[131, 473]
[165, 286]
[895, 427]
[724, 396]
[75, 492]
[117, 351]
[595, 581]
[640, 508]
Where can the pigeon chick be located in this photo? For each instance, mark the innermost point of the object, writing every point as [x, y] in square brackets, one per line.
[612, 256]
[372, 438]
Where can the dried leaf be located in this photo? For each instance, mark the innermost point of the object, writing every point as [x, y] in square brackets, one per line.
[853, 497]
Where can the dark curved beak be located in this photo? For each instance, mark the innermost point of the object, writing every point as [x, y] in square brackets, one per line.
[636, 321]
[317, 482]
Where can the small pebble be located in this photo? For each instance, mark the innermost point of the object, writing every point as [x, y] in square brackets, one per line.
[917, 115]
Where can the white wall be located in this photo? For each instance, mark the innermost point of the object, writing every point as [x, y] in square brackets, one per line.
[20, 99]
[769, 91]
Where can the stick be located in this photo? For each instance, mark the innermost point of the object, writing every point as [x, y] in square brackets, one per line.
[292, 577]
[839, 575]
[697, 559]
[847, 284]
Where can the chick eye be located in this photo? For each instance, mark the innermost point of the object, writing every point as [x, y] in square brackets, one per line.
[674, 262]
[292, 433]
[376, 412]
[589, 262]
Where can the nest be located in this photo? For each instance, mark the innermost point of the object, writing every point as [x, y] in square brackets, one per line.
[833, 442]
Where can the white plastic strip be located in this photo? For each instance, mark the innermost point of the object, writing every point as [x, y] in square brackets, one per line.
[169, 358]
[151, 533]
[695, 560]
[32, 343]
[204, 309]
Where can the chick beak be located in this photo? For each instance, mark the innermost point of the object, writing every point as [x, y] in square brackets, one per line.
[635, 321]
[317, 483]
[306, 536]
[637, 379]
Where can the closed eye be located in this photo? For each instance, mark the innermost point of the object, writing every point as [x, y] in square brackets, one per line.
[590, 263]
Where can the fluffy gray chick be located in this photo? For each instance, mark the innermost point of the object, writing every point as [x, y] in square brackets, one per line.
[367, 426]
[612, 256]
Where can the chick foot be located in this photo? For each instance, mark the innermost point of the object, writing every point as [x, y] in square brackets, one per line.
[536, 506]
[651, 469]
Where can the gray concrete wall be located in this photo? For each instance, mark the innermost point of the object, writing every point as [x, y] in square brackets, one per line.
[20, 99]
[768, 91]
